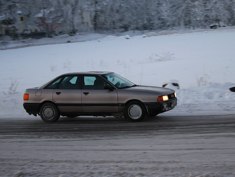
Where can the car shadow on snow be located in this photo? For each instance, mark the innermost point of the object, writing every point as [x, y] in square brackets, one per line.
[102, 120]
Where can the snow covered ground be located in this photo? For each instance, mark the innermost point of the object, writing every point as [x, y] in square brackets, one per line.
[202, 62]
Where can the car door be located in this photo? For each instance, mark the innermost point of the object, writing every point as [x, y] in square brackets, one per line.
[97, 99]
[67, 96]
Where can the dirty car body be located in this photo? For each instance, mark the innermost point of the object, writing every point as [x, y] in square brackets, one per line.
[97, 93]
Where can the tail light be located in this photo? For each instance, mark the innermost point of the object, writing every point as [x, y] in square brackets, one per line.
[162, 98]
[26, 96]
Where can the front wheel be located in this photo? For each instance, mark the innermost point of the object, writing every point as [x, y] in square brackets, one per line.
[49, 112]
[135, 111]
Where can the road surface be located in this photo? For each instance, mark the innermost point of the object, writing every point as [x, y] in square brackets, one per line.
[198, 146]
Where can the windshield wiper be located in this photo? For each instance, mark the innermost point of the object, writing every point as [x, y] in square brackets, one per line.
[128, 86]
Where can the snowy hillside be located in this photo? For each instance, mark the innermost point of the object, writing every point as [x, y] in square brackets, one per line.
[202, 62]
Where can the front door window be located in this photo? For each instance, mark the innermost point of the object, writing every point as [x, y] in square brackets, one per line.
[93, 83]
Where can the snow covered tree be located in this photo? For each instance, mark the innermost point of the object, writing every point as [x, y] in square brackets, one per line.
[71, 16]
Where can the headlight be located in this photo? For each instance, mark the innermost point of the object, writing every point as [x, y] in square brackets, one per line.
[165, 98]
[162, 98]
[175, 94]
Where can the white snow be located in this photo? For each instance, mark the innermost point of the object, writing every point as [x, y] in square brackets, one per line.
[202, 62]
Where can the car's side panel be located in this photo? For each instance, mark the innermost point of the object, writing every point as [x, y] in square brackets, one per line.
[67, 100]
[94, 101]
[125, 95]
[38, 95]
[45, 95]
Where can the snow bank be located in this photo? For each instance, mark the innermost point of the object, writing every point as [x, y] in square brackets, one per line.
[202, 62]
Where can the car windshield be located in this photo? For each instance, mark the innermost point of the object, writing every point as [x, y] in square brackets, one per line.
[118, 81]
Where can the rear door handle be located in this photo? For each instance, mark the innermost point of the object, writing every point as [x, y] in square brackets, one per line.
[58, 93]
[85, 93]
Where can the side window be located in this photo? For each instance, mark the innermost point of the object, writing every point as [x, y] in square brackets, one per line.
[93, 82]
[70, 82]
[54, 84]
[115, 80]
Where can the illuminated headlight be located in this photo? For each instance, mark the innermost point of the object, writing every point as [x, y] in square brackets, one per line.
[175, 94]
[165, 98]
[162, 98]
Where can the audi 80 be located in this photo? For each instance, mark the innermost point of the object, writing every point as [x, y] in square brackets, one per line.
[96, 94]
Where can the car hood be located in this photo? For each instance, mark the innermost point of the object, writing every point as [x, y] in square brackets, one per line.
[152, 89]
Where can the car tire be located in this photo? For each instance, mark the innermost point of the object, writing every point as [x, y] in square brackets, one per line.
[49, 113]
[135, 111]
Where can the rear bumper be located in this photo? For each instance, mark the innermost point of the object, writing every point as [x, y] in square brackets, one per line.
[156, 108]
[32, 108]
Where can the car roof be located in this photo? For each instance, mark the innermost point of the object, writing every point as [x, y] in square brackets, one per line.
[78, 73]
[88, 72]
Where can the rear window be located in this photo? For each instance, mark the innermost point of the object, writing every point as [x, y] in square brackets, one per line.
[70, 82]
[65, 82]
[54, 84]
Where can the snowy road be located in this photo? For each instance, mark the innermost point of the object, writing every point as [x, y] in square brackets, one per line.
[164, 146]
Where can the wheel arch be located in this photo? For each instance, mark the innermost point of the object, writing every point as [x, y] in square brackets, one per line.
[46, 101]
[139, 101]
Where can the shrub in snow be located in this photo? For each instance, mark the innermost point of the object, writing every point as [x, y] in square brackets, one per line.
[203, 81]
[232, 89]
[172, 85]
[52, 68]
[12, 90]
[127, 37]
[67, 65]
[19, 174]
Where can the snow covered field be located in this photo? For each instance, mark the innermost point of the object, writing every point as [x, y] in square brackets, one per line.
[203, 63]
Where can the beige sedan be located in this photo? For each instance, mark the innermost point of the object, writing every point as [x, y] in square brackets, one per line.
[97, 94]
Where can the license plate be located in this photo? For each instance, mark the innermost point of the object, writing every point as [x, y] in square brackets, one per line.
[170, 105]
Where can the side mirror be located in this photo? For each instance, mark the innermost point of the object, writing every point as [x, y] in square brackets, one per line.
[108, 87]
[232, 89]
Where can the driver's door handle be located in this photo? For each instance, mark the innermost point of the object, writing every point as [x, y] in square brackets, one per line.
[58, 93]
[85, 93]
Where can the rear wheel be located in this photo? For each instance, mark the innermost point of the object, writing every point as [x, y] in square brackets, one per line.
[135, 111]
[49, 112]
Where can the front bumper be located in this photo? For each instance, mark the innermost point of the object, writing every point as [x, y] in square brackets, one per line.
[159, 107]
[32, 108]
